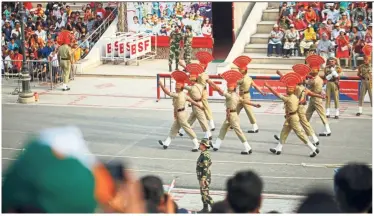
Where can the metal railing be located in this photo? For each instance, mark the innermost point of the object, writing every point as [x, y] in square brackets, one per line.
[93, 37]
[44, 74]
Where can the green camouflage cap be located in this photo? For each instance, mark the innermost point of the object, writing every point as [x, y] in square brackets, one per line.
[205, 142]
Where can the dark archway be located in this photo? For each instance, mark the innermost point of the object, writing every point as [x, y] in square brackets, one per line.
[222, 29]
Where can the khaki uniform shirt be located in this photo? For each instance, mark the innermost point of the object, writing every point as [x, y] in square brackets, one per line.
[291, 103]
[195, 91]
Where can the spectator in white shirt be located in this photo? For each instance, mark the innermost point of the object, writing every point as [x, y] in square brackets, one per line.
[16, 31]
[59, 24]
[134, 27]
[41, 33]
[335, 32]
[53, 58]
[332, 14]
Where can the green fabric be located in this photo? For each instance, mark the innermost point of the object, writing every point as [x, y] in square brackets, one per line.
[38, 179]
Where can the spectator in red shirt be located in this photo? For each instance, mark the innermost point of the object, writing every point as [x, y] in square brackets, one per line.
[17, 58]
[100, 11]
[310, 15]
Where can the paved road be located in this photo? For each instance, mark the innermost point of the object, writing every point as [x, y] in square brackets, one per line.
[131, 135]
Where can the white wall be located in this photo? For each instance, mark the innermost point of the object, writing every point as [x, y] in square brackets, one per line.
[244, 37]
[93, 59]
[241, 12]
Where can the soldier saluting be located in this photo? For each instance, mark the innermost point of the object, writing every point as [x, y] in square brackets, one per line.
[204, 175]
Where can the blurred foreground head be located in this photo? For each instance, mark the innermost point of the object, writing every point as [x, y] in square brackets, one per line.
[56, 173]
[244, 192]
[353, 188]
[319, 201]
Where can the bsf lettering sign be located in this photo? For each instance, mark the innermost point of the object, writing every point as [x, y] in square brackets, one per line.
[140, 47]
[115, 49]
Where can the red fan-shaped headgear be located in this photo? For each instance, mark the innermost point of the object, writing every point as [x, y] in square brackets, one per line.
[64, 38]
[291, 79]
[242, 61]
[315, 61]
[180, 77]
[204, 58]
[302, 69]
[232, 77]
[194, 69]
[367, 50]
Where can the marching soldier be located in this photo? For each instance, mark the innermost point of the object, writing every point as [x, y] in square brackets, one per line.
[364, 72]
[244, 86]
[204, 59]
[301, 93]
[332, 73]
[291, 104]
[65, 60]
[180, 115]
[175, 38]
[204, 175]
[196, 94]
[187, 48]
[231, 103]
[315, 84]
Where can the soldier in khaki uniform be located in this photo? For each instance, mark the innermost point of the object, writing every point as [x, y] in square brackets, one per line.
[301, 92]
[231, 103]
[332, 73]
[315, 84]
[65, 60]
[204, 59]
[291, 105]
[196, 94]
[365, 74]
[180, 115]
[244, 86]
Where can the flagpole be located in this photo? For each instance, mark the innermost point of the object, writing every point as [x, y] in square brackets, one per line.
[26, 96]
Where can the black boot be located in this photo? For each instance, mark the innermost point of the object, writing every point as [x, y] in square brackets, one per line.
[170, 68]
[176, 66]
[204, 210]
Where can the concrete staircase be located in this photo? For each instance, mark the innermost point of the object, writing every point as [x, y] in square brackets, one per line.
[257, 48]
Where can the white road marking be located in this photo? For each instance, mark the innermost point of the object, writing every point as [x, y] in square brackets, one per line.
[365, 117]
[218, 162]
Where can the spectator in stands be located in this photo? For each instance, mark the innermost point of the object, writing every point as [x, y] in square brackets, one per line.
[345, 23]
[331, 12]
[343, 47]
[291, 39]
[55, 65]
[17, 61]
[355, 34]
[275, 39]
[310, 15]
[100, 11]
[358, 44]
[301, 13]
[7, 30]
[244, 192]
[335, 33]
[318, 201]
[309, 37]
[41, 33]
[368, 35]
[359, 11]
[353, 188]
[12, 45]
[323, 30]
[284, 23]
[325, 48]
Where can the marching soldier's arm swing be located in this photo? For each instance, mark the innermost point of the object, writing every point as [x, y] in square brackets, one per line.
[272, 90]
[213, 85]
[194, 103]
[164, 89]
[251, 104]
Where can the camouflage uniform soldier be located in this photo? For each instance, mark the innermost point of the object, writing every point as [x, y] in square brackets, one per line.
[175, 38]
[291, 105]
[187, 40]
[180, 115]
[204, 175]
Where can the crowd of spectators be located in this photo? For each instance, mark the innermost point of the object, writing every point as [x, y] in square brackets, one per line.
[337, 29]
[42, 28]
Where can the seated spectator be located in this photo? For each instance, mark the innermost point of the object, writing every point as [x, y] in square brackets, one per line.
[335, 33]
[100, 11]
[314, 25]
[291, 39]
[329, 25]
[357, 51]
[353, 188]
[284, 23]
[310, 15]
[301, 13]
[369, 16]
[17, 61]
[41, 33]
[39, 10]
[323, 30]
[12, 45]
[360, 25]
[359, 11]
[244, 192]
[318, 201]
[325, 48]
[345, 23]
[368, 35]
[309, 37]
[343, 47]
[7, 29]
[275, 39]
[355, 34]
[331, 13]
